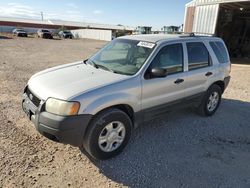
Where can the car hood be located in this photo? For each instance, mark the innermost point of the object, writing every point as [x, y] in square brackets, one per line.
[66, 81]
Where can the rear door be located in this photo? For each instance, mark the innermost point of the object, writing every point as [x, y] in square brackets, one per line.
[200, 70]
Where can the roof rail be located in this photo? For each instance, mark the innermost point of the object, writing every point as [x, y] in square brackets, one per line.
[197, 34]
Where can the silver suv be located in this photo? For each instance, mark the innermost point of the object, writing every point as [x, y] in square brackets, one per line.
[97, 103]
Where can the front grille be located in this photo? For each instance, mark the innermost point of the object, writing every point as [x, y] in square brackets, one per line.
[36, 101]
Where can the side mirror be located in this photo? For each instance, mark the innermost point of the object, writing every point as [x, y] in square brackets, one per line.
[158, 73]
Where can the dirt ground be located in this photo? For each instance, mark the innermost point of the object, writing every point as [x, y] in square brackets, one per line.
[181, 150]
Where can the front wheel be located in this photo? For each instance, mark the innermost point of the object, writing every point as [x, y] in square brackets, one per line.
[211, 101]
[108, 134]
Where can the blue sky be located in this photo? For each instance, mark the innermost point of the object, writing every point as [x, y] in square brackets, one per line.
[156, 13]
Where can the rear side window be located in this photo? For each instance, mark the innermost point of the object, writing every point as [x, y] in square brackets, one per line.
[170, 57]
[198, 56]
[220, 51]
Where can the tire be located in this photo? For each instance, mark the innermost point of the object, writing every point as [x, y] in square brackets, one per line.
[206, 108]
[112, 124]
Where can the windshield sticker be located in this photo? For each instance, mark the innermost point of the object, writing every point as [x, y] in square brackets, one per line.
[146, 44]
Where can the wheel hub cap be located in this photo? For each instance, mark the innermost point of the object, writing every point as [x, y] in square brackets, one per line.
[213, 101]
[111, 136]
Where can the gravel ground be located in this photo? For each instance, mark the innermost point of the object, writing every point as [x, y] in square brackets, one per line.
[180, 150]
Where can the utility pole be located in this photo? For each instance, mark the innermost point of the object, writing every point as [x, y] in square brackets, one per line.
[42, 15]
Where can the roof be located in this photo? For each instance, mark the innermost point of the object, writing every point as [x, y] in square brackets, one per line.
[66, 23]
[155, 38]
[151, 37]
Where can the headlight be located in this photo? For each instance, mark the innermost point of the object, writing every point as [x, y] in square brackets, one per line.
[62, 108]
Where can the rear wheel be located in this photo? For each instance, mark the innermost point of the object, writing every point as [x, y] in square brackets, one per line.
[211, 101]
[108, 134]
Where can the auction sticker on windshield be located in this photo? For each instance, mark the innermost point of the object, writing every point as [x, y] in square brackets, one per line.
[146, 44]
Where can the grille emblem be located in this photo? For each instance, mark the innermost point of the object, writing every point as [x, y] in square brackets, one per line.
[31, 97]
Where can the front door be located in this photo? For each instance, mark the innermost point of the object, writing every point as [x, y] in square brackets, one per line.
[158, 93]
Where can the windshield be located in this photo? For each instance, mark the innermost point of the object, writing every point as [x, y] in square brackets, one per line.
[122, 56]
[67, 32]
[20, 30]
[45, 31]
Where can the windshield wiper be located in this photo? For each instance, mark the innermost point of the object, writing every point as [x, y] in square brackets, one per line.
[98, 65]
[104, 67]
[123, 73]
[90, 62]
[85, 62]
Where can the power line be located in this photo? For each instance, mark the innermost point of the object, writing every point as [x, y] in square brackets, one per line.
[42, 15]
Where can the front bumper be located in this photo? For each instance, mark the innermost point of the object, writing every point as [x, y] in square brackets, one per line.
[226, 82]
[22, 35]
[63, 129]
[68, 36]
[47, 36]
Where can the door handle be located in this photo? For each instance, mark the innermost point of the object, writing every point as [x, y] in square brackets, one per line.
[178, 81]
[209, 74]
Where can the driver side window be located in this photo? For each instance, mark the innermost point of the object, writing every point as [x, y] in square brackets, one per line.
[170, 58]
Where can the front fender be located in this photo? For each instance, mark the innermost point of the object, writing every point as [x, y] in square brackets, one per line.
[112, 100]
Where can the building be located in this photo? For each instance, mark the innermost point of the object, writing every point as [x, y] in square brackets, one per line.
[143, 30]
[171, 29]
[228, 19]
[7, 24]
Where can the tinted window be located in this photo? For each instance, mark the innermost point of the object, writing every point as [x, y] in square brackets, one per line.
[198, 56]
[220, 51]
[170, 58]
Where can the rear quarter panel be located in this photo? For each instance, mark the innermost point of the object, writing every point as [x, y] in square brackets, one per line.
[223, 69]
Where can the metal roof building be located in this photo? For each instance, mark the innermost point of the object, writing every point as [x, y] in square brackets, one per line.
[8, 22]
[228, 19]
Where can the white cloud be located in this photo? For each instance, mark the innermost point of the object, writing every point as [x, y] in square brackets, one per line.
[97, 12]
[24, 11]
[72, 5]
[18, 10]
[72, 12]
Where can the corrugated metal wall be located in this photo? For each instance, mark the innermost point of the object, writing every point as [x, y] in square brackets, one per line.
[207, 2]
[206, 15]
[205, 19]
[93, 34]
